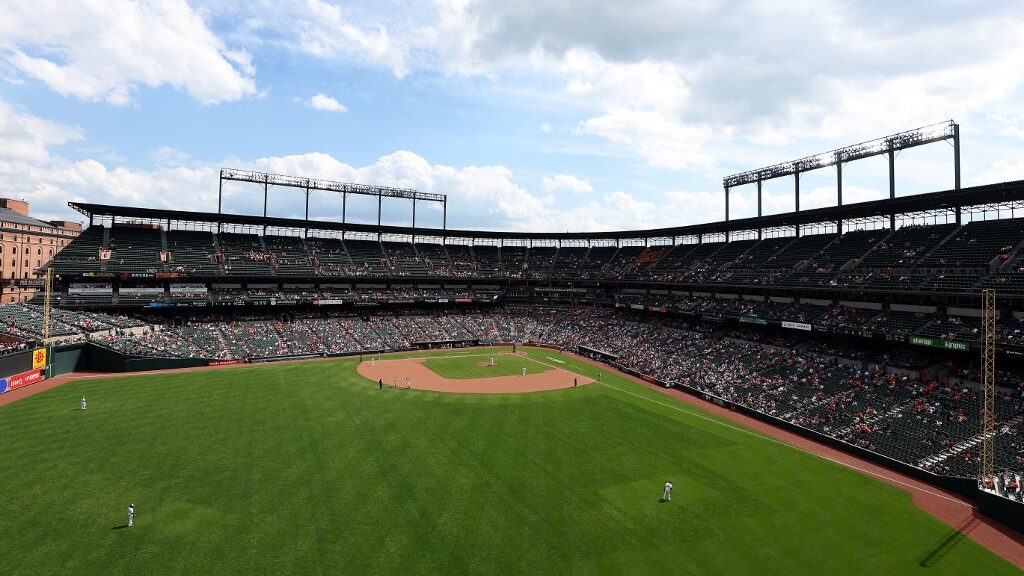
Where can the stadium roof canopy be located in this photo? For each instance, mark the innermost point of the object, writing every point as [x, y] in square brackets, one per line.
[950, 200]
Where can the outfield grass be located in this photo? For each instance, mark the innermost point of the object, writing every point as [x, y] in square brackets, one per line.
[464, 365]
[309, 469]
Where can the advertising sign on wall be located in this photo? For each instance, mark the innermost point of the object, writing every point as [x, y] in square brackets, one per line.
[796, 325]
[21, 380]
[940, 343]
[39, 358]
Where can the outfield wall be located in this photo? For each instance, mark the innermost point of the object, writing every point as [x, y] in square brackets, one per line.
[22, 369]
[87, 356]
[1009, 512]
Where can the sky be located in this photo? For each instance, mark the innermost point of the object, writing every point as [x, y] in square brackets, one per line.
[543, 116]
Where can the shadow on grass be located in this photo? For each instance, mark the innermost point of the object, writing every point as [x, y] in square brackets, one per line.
[121, 527]
[948, 542]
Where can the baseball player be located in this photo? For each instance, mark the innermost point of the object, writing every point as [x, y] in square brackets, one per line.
[394, 382]
[83, 403]
[492, 361]
[131, 515]
[574, 382]
[408, 382]
[380, 384]
[523, 372]
[666, 494]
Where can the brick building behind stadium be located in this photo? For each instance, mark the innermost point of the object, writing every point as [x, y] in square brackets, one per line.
[27, 243]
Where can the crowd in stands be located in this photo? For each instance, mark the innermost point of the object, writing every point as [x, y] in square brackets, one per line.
[908, 403]
[937, 258]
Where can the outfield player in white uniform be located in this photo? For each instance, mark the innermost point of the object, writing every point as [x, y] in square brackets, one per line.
[131, 515]
[666, 494]
[523, 372]
[492, 361]
[83, 402]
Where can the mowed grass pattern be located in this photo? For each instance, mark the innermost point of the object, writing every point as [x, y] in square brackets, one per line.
[309, 469]
[462, 367]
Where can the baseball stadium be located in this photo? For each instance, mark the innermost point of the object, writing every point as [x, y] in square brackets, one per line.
[826, 391]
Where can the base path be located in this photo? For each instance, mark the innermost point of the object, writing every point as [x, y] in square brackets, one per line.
[423, 378]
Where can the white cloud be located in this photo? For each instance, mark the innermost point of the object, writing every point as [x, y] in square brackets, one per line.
[699, 79]
[484, 197]
[328, 32]
[25, 138]
[545, 127]
[566, 182]
[326, 103]
[168, 156]
[103, 51]
[659, 139]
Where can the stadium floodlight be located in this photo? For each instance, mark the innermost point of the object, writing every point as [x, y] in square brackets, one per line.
[343, 188]
[942, 131]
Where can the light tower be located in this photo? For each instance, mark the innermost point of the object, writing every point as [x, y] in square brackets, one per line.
[988, 387]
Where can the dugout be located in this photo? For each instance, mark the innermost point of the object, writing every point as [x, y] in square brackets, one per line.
[595, 354]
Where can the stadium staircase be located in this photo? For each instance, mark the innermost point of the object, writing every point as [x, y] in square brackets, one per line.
[104, 245]
[876, 417]
[217, 249]
[853, 263]
[384, 256]
[806, 261]
[963, 445]
[1014, 259]
[924, 257]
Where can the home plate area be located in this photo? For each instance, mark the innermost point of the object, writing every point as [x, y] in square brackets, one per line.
[470, 374]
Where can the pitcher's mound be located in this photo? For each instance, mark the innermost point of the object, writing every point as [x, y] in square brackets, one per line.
[423, 378]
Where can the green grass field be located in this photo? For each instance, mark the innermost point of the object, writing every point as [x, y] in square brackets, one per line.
[310, 469]
[462, 367]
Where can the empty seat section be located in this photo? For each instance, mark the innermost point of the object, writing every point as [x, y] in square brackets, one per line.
[244, 255]
[435, 259]
[191, 252]
[290, 256]
[328, 256]
[82, 254]
[978, 243]
[540, 261]
[368, 258]
[135, 249]
[403, 259]
[906, 246]
[487, 259]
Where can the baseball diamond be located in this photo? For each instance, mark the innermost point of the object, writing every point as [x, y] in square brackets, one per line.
[444, 482]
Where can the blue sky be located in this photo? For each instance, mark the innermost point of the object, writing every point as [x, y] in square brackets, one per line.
[579, 115]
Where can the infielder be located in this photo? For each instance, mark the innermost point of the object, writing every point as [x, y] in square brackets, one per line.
[408, 382]
[492, 361]
[131, 515]
[83, 403]
[666, 494]
[394, 382]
